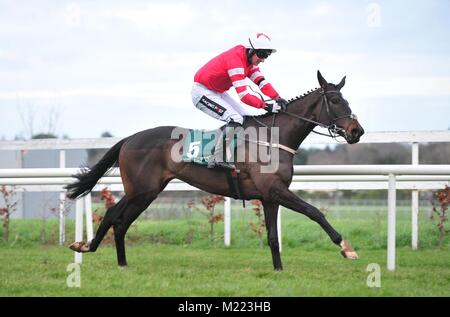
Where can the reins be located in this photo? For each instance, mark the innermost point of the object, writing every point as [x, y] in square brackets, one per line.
[333, 129]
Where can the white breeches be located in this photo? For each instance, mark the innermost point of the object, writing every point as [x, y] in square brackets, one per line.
[217, 105]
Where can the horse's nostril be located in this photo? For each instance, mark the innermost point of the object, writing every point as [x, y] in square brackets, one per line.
[361, 132]
[357, 132]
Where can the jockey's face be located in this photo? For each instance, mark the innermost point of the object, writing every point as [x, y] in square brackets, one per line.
[256, 60]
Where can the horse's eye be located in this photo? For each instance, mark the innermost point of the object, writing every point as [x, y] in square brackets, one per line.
[335, 101]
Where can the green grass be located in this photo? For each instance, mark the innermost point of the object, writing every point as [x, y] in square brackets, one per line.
[176, 258]
[169, 270]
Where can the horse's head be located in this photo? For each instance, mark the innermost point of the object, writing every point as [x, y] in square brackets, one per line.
[335, 111]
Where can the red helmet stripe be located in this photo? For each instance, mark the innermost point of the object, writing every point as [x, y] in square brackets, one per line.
[262, 34]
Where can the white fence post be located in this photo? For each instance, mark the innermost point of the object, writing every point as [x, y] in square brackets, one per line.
[62, 197]
[391, 223]
[227, 221]
[415, 202]
[88, 211]
[79, 226]
[280, 240]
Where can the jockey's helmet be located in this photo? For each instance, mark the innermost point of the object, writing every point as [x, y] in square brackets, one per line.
[260, 41]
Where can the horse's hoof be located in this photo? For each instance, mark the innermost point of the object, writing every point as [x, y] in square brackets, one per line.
[80, 247]
[347, 251]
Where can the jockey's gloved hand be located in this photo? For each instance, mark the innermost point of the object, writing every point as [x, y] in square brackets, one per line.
[282, 102]
[272, 107]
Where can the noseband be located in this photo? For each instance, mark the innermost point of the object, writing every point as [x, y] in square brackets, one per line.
[332, 128]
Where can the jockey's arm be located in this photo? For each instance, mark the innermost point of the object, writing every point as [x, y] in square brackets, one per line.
[243, 91]
[267, 89]
[238, 79]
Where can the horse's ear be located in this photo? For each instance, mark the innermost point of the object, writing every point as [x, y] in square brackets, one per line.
[341, 84]
[323, 83]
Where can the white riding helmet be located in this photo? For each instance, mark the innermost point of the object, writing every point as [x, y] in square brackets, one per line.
[260, 41]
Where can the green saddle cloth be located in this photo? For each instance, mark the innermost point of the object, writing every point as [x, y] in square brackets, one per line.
[199, 146]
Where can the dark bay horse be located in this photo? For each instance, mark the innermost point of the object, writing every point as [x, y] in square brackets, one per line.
[146, 167]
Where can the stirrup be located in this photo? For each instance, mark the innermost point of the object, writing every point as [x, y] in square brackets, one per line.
[226, 165]
[215, 164]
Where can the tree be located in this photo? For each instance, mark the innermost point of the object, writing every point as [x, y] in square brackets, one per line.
[260, 225]
[441, 211]
[44, 136]
[106, 134]
[49, 121]
[11, 202]
[362, 154]
[434, 153]
[94, 155]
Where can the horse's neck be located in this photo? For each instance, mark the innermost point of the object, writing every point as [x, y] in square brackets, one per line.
[293, 131]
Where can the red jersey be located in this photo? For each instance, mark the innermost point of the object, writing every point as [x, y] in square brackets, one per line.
[231, 69]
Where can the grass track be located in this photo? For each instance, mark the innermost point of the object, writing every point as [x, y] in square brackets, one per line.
[170, 270]
[175, 258]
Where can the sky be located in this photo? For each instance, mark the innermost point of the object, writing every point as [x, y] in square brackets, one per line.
[80, 68]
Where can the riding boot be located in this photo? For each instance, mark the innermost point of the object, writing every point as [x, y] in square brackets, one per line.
[227, 135]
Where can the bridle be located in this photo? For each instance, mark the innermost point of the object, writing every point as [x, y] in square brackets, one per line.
[333, 129]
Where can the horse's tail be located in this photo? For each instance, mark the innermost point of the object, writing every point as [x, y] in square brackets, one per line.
[87, 179]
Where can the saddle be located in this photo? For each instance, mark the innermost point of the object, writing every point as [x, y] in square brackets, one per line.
[199, 147]
[200, 144]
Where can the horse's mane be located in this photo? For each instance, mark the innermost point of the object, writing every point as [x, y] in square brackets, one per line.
[290, 101]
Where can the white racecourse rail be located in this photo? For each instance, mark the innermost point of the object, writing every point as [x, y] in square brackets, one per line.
[313, 177]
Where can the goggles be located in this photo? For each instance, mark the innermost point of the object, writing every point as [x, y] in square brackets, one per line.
[263, 53]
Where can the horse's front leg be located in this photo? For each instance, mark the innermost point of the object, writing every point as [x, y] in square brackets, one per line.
[270, 215]
[280, 194]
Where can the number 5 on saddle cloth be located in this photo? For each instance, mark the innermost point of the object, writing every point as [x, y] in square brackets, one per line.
[200, 144]
[199, 148]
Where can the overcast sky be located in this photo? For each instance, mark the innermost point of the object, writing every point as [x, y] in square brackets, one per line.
[125, 66]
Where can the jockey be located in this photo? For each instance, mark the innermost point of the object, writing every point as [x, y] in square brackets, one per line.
[231, 68]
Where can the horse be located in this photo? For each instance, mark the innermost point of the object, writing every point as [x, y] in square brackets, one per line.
[147, 166]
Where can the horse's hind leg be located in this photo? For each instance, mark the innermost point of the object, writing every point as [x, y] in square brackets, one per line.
[112, 214]
[132, 210]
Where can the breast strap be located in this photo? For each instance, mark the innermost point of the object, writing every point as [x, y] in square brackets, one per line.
[275, 145]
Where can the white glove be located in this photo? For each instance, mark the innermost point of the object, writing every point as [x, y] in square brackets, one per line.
[272, 106]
